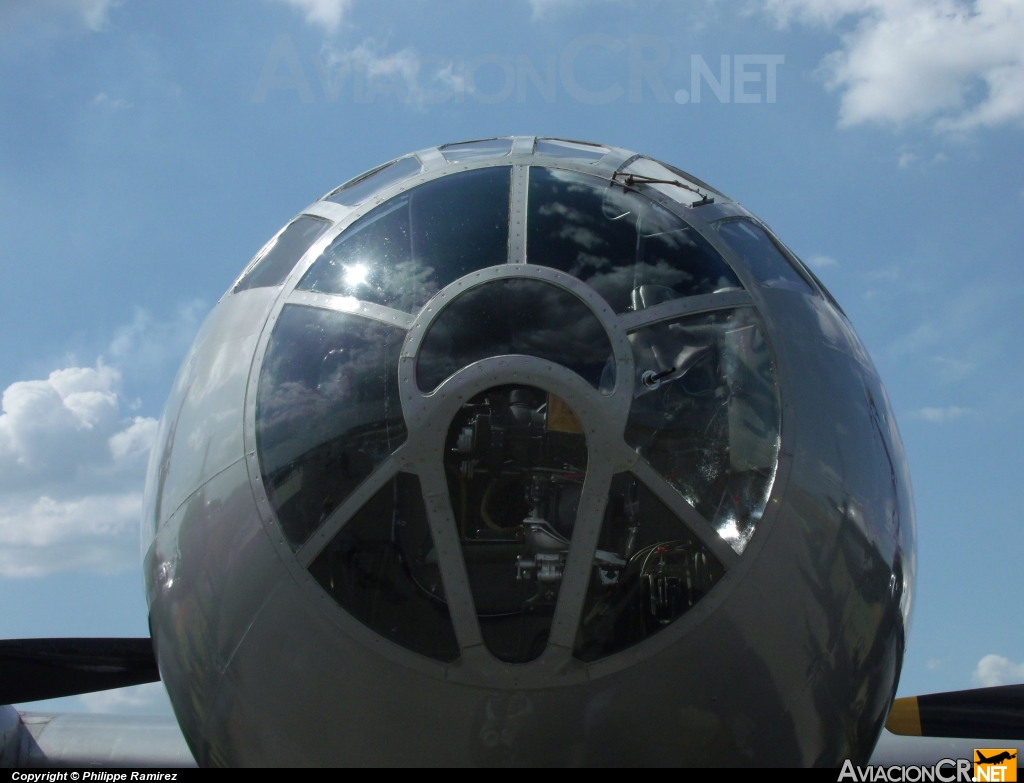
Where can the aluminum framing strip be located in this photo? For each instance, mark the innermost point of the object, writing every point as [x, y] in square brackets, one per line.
[595, 302]
[613, 456]
[333, 213]
[428, 174]
[687, 514]
[352, 181]
[328, 210]
[672, 180]
[603, 421]
[687, 305]
[267, 515]
[603, 417]
[314, 591]
[523, 145]
[436, 166]
[349, 304]
[616, 160]
[517, 214]
[445, 532]
[477, 666]
[191, 495]
[337, 519]
[258, 255]
[431, 158]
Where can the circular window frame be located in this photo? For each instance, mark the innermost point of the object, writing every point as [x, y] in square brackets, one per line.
[426, 422]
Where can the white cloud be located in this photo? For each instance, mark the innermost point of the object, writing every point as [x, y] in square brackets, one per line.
[104, 101]
[821, 261]
[93, 533]
[543, 8]
[403, 65]
[906, 159]
[400, 73]
[147, 343]
[91, 14]
[996, 670]
[886, 273]
[145, 699]
[933, 664]
[71, 469]
[134, 442]
[942, 415]
[329, 14]
[952, 370]
[73, 456]
[958, 63]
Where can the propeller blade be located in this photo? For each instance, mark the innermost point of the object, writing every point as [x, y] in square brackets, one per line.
[34, 669]
[992, 713]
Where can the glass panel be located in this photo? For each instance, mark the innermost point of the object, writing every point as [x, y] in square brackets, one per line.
[283, 253]
[705, 414]
[404, 251]
[632, 251]
[516, 316]
[648, 571]
[805, 269]
[646, 167]
[471, 150]
[766, 263]
[576, 150]
[358, 190]
[327, 411]
[516, 458]
[382, 569]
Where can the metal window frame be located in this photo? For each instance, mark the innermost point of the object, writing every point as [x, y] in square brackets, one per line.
[603, 417]
[802, 272]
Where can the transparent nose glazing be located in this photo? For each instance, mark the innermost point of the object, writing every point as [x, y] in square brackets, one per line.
[704, 411]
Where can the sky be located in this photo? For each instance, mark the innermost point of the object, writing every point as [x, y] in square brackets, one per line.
[148, 150]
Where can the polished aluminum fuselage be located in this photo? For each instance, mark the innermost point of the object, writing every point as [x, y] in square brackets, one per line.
[792, 659]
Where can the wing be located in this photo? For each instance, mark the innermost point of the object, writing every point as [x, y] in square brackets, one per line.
[994, 713]
[35, 669]
[34, 739]
[925, 729]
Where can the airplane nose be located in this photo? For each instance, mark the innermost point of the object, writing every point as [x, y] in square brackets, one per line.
[528, 449]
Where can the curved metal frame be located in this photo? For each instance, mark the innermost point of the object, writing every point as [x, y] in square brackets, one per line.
[603, 417]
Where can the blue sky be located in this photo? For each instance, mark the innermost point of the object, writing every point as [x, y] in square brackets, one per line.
[147, 150]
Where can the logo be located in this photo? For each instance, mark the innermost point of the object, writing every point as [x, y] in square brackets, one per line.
[998, 764]
[943, 771]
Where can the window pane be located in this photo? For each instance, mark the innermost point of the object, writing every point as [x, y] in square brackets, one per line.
[358, 190]
[766, 263]
[470, 150]
[516, 458]
[576, 150]
[631, 250]
[516, 316]
[327, 411]
[284, 253]
[817, 280]
[653, 169]
[705, 415]
[649, 571]
[382, 569]
[404, 251]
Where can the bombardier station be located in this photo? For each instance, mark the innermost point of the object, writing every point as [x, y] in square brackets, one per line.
[535, 452]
